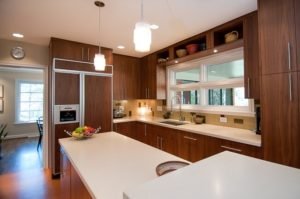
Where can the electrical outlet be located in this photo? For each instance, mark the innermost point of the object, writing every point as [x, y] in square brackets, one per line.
[159, 108]
[223, 119]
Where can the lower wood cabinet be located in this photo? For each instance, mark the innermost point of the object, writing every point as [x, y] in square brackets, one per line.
[71, 185]
[189, 146]
[213, 146]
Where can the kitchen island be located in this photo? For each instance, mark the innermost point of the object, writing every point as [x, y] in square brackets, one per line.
[109, 163]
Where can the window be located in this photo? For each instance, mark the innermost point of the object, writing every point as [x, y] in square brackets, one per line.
[211, 84]
[29, 101]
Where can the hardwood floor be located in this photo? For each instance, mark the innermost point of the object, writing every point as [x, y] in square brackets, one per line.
[20, 154]
[30, 184]
[21, 172]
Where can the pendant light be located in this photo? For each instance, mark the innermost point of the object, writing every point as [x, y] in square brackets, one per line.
[142, 34]
[99, 59]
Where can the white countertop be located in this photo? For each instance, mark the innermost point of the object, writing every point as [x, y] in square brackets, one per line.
[109, 163]
[226, 175]
[227, 133]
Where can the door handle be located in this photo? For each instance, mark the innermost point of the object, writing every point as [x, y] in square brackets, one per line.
[248, 82]
[82, 52]
[189, 138]
[157, 142]
[289, 55]
[231, 149]
[161, 143]
[290, 87]
[88, 54]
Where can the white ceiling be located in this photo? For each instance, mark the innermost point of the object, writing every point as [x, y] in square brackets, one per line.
[77, 20]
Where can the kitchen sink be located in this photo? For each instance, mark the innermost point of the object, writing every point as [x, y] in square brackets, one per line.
[175, 123]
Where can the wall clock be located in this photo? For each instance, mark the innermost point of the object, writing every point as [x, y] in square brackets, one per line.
[17, 53]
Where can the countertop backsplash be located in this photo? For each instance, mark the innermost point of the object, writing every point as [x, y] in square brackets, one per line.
[151, 107]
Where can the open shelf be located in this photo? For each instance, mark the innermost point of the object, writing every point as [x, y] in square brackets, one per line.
[200, 41]
[219, 34]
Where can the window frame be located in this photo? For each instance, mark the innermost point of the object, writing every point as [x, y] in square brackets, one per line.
[202, 63]
[18, 98]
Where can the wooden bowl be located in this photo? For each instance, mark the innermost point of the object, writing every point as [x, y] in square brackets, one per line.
[181, 52]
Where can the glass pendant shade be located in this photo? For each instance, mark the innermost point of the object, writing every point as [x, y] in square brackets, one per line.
[142, 37]
[99, 62]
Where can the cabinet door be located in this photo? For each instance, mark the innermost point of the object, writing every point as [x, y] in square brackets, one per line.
[168, 140]
[152, 135]
[98, 102]
[276, 33]
[65, 176]
[280, 119]
[78, 189]
[191, 146]
[66, 88]
[126, 128]
[118, 78]
[144, 78]
[297, 14]
[151, 73]
[59, 133]
[251, 71]
[141, 132]
[67, 49]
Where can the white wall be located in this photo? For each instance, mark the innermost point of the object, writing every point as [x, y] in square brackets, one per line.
[35, 55]
[8, 79]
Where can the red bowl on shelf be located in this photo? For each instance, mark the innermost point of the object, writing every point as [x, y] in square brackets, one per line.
[192, 48]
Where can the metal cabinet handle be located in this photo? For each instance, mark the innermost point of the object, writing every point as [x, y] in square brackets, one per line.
[289, 55]
[145, 130]
[88, 54]
[189, 138]
[157, 142]
[290, 87]
[161, 143]
[248, 82]
[231, 149]
[146, 92]
[82, 52]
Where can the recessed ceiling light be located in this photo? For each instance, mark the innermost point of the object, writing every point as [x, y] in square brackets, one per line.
[176, 61]
[18, 35]
[154, 26]
[121, 47]
[215, 50]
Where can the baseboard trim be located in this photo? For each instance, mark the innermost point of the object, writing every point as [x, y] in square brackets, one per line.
[27, 135]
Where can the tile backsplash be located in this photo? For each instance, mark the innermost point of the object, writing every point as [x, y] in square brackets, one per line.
[157, 108]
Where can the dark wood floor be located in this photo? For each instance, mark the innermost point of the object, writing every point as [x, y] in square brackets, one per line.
[20, 154]
[21, 172]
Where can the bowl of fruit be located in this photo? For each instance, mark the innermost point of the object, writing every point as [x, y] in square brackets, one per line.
[83, 132]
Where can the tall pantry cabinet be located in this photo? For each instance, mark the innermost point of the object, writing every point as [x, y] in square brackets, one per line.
[280, 81]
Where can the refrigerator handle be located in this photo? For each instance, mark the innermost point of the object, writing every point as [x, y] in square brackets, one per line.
[82, 98]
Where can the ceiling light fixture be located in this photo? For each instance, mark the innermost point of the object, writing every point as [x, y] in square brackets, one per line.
[18, 35]
[154, 26]
[121, 47]
[99, 59]
[142, 34]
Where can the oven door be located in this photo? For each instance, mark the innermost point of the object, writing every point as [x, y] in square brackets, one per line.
[64, 114]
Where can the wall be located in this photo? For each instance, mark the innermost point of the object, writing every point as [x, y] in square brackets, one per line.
[8, 78]
[35, 55]
[148, 105]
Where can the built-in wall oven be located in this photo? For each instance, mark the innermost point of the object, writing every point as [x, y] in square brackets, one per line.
[68, 113]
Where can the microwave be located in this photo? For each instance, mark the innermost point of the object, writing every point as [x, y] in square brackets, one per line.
[68, 113]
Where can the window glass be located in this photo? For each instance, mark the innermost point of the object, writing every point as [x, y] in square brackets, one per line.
[29, 101]
[191, 97]
[227, 97]
[187, 76]
[229, 70]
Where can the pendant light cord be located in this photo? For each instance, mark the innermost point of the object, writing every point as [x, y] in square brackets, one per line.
[142, 10]
[99, 30]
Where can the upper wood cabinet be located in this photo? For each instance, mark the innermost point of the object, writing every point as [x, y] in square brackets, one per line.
[153, 78]
[126, 77]
[251, 63]
[277, 41]
[71, 50]
[297, 14]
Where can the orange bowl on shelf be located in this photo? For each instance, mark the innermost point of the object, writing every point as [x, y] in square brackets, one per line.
[181, 52]
[192, 48]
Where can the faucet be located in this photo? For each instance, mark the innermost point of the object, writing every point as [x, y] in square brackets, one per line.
[181, 117]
